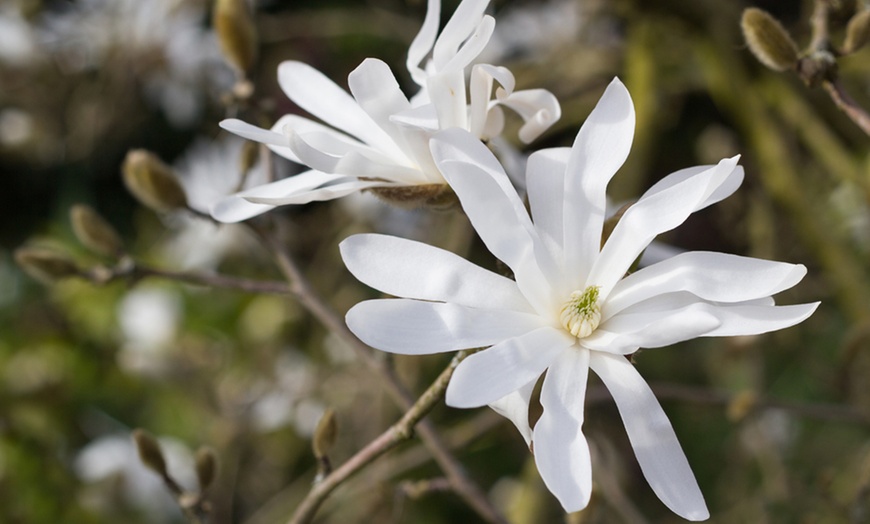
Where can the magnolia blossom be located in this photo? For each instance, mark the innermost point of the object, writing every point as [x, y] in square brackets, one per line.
[378, 137]
[571, 307]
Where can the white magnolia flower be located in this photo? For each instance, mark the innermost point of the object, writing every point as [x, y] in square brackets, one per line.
[571, 308]
[379, 138]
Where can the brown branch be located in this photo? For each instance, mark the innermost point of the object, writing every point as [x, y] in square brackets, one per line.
[847, 104]
[396, 434]
[300, 287]
[128, 269]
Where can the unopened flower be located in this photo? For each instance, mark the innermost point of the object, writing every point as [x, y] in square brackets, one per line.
[379, 139]
[571, 308]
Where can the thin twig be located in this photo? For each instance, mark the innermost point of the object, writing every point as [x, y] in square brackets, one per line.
[848, 105]
[300, 287]
[396, 434]
[133, 271]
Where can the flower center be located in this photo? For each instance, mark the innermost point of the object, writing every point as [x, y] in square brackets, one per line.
[582, 313]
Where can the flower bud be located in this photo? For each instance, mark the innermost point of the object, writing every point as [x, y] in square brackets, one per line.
[324, 434]
[94, 232]
[438, 196]
[149, 452]
[152, 182]
[206, 467]
[768, 40]
[46, 265]
[857, 32]
[234, 24]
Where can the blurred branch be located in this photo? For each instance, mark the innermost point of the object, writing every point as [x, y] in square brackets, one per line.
[396, 434]
[130, 270]
[314, 303]
[847, 104]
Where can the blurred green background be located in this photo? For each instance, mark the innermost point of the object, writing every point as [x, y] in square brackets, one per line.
[775, 427]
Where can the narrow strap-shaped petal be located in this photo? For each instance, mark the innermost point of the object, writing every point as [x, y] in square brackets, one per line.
[655, 444]
[413, 327]
[515, 407]
[651, 216]
[496, 212]
[462, 24]
[376, 90]
[321, 152]
[320, 194]
[538, 108]
[545, 180]
[472, 47]
[423, 42]
[626, 332]
[755, 320]
[274, 138]
[480, 93]
[314, 92]
[601, 147]
[410, 269]
[728, 187]
[487, 376]
[717, 277]
[561, 450]
[447, 92]
[235, 208]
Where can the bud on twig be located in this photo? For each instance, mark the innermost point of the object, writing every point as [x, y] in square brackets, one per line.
[857, 32]
[152, 182]
[46, 265]
[206, 467]
[149, 452]
[768, 40]
[94, 232]
[234, 24]
[324, 434]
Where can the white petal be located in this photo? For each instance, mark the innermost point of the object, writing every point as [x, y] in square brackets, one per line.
[447, 91]
[561, 450]
[472, 47]
[322, 152]
[465, 21]
[412, 327]
[658, 452]
[320, 194]
[717, 277]
[600, 148]
[650, 216]
[487, 376]
[409, 269]
[320, 96]
[728, 187]
[276, 141]
[496, 211]
[423, 42]
[515, 407]
[629, 330]
[538, 108]
[235, 208]
[755, 320]
[480, 92]
[545, 178]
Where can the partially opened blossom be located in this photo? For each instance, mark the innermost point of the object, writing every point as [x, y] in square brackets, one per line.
[571, 307]
[377, 138]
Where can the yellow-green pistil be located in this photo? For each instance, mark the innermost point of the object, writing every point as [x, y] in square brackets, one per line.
[582, 313]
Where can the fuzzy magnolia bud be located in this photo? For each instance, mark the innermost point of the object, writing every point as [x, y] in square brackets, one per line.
[857, 32]
[438, 196]
[324, 434]
[94, 232]
[152, 182]
[206, 467]
[45, 265]
[234, 24]
[149, 452]
[768, 40]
